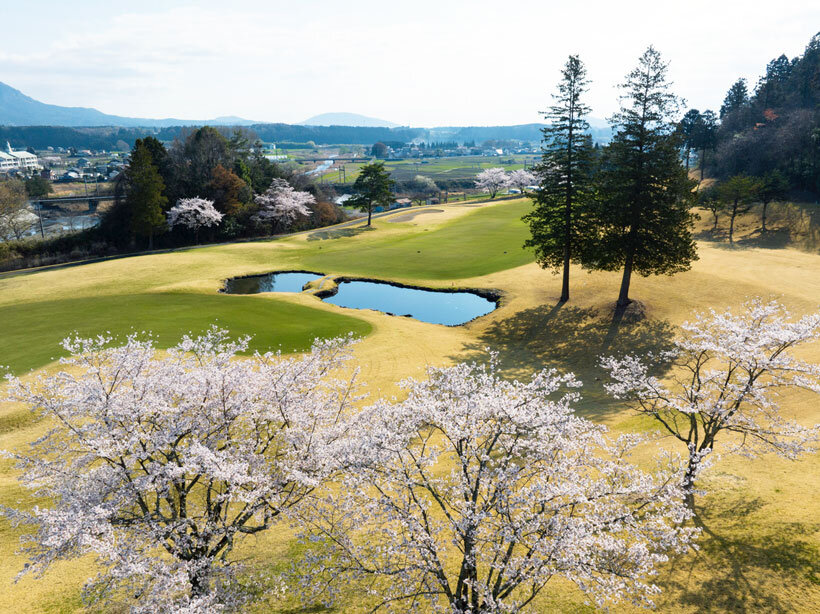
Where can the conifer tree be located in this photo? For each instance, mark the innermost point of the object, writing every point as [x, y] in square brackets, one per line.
[145, 198]
[642, 215]
[372, 188]
[557, 220]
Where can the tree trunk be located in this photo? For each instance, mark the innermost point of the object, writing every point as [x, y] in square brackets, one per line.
[763, 218]
[565, 281]
[688, 153]
[150, 241]
[199, 583]
[689, 482]
[702, 160]
[623, 296]
[732, 224]
[369, 214]
[714, 227]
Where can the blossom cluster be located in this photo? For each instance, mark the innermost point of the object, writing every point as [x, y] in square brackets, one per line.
[160, 462]
[194, 213]
[495, 179]
[282, 204]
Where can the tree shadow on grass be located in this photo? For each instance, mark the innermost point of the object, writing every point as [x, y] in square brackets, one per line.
[338, 233]
[778, 238]
[743, 561]
[569, 338]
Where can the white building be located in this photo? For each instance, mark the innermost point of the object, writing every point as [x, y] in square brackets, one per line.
[7, 162]
[11, 160]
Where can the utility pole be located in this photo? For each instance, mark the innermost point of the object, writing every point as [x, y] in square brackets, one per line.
[40, 216]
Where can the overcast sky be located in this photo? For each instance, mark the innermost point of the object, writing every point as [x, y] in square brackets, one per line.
[419, 63]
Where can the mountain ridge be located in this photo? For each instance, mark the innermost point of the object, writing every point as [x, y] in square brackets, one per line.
[347, 119]
[18, 109]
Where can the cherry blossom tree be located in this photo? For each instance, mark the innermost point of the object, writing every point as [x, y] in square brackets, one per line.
[15, 217]
[194, 213]
[522, 178]
[730, 369]
[281, 204]
[492, 180]
[159, 463]
[470, 495]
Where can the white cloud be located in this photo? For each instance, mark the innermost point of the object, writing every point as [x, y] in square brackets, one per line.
[425, 63]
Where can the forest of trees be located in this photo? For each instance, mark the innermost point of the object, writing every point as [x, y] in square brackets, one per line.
[774, 128]
[230, 172]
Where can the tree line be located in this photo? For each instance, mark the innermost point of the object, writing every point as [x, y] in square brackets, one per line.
[230, 173]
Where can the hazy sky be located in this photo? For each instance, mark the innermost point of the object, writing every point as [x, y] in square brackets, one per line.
[418, 62]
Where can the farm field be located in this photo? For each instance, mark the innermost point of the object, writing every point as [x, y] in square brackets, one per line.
[760, 550]
[437, 169]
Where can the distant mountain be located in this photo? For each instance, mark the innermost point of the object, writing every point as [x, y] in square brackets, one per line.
[17, 109]
[347, 119]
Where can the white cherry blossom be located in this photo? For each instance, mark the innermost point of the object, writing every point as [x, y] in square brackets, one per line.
[492, 180]
[727, 371]
[158, 463]
[282, 204]
[474, 492]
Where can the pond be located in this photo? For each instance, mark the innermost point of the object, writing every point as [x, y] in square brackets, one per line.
[450, 308]
[434, 306]
[270, 282]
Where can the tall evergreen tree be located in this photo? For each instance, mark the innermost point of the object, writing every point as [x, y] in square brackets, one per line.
[689, 126]
[372, 188]
[643, 192]
[705, 137]
[144, 198]
[557, 220]
[736, 98]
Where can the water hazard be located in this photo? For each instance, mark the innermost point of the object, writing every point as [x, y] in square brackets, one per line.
[450, 308]
[270, 282]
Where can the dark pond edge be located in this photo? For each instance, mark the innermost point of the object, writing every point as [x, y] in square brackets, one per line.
[494, 296]
[225, 282]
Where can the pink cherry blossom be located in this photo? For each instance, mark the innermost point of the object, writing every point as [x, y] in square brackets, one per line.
[492, 180]
[194, 213]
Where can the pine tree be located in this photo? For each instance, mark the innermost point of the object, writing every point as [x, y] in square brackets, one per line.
[145, 198]
[557, 220]
[689, 126]
[772, 186]
[705, 137]
[372, 188]
[736, 98]
[642, 211]
[737, 193]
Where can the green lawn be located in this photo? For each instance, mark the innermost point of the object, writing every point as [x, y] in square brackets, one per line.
[485, 241]
[31, 332]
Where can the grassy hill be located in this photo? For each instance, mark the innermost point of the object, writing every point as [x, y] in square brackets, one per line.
[760, 550]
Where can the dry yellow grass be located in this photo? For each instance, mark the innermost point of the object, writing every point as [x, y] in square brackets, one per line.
[760, 550]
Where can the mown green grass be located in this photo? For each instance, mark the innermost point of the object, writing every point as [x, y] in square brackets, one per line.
[30, 333]
[488, 240]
